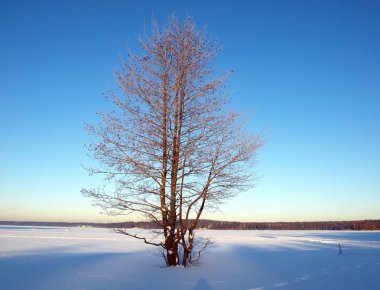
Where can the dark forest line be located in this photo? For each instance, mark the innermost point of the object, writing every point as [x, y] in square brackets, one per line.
[357, 225]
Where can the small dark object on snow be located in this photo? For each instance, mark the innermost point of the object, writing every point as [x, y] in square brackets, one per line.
[340, 251]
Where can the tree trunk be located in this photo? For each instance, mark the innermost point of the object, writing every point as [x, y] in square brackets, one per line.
[171, 246]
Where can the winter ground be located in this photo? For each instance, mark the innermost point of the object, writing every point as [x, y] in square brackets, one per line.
[77, 258]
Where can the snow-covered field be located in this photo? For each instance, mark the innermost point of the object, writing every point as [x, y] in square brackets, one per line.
[78, 258]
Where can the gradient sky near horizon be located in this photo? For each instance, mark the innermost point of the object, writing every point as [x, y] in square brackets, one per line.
[307, 71]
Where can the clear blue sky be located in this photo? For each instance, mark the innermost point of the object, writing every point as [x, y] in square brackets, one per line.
[308, 71]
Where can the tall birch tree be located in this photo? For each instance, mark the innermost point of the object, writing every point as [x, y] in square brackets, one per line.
[169, 148]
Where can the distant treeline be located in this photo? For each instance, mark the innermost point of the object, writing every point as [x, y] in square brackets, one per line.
[362, 225]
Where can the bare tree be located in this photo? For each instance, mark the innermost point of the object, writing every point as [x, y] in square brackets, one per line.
[169, 149]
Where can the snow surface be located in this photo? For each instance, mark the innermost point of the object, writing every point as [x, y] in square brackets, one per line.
[82, 258]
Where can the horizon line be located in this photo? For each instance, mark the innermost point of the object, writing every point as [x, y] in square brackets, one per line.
[214, 220]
